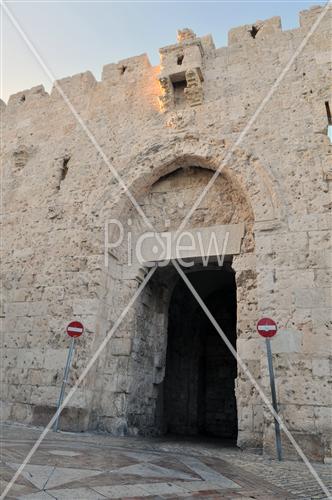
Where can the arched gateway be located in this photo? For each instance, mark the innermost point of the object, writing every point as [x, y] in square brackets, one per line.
[169, 370]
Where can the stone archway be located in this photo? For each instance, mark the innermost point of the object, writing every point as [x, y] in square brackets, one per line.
[160, 158]
[133, 367]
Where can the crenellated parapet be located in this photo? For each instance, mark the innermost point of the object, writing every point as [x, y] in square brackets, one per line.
[75, 85]
[256, 31]
[130, 69]
[185, 67]
[27, 96]
[308, 17]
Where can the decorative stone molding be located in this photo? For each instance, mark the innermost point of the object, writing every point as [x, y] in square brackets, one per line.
[166, 100]
[194, 89]
[180, 119]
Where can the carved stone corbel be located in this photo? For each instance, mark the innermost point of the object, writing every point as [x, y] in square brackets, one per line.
[194, 89]
[166, 100]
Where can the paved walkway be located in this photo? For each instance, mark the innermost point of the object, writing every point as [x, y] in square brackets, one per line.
[93, 466]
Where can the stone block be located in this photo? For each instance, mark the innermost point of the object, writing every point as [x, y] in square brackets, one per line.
[5, 410]
[289, 242]
[9, 357]
[321, 367]
[27, 309]
[323, 277]
[47, 377]
[30, 358]
[54, 293]
[11, 340]
[299, 418]
[324, 58]
[19, 393]
[250, 349]
[287, 341]
[24, 324]
[258, 418]
[86, 307]
[121, 346]
[312, 297]
[44, 396]
[321, 240]
[21, 412]
[317, 344]
[323, 419]
[301, 390]
[55, 359]
[245, 418]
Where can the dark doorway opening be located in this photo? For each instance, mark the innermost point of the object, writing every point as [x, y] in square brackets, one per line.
[199, 386]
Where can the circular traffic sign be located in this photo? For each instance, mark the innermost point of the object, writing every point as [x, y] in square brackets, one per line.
[75, 329]
[266, 327]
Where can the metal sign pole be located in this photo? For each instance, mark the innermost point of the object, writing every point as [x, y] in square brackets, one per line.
[274, 398]
[64, 382]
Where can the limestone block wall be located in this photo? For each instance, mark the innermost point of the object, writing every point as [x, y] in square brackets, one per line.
[60, 188]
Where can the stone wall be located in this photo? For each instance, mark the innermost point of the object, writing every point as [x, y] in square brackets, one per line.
[60, 189]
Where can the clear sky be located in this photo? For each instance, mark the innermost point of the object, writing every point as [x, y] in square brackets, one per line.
[76, 36]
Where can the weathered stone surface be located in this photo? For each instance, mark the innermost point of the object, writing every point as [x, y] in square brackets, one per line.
[166, 130]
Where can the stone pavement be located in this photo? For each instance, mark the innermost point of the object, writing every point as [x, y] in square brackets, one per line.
[94, 466]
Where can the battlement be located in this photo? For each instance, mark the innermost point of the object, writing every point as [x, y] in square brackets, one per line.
[28, 95]
[131, 67]
[258, 34]
[257, 31]
[76, 84]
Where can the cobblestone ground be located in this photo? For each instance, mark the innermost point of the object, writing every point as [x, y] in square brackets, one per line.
[292, 476]
[93, 466]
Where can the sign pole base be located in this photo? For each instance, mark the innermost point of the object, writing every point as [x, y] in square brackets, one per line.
[274, 398]
[64, 382]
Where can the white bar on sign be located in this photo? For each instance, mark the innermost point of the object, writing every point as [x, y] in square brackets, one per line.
[267, 328]
[75, 329]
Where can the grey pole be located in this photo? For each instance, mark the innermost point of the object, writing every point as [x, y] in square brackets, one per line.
[64, 382]
[274, 398]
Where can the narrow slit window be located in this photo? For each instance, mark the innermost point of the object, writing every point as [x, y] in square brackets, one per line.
[63, 170]
[329, 120]
[180, 59]
[254, 30]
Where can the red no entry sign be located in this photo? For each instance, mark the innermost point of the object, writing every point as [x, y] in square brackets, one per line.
[75, 329]
[266, 327]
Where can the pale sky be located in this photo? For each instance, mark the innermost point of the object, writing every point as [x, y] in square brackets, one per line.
[75, 36]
